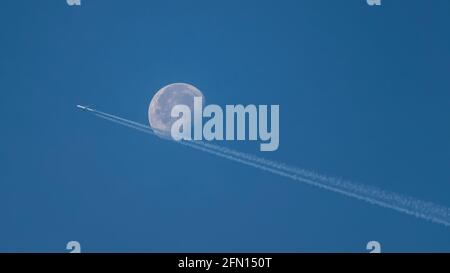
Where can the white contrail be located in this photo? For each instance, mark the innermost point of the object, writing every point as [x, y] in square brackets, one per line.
[409, 205]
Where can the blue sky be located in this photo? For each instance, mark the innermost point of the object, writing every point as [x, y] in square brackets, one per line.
[363, 94]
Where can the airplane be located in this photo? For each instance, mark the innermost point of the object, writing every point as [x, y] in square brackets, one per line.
[84, 107]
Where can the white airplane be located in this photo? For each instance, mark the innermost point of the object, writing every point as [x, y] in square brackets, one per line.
[84, 107]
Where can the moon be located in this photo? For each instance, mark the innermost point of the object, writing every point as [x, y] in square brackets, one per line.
[164, 100]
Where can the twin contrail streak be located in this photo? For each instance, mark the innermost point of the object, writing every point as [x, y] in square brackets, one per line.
[401, 203]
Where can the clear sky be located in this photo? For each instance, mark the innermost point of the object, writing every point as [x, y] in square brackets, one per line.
[364, 95]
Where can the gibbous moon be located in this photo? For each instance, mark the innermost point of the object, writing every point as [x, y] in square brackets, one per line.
[163, 102]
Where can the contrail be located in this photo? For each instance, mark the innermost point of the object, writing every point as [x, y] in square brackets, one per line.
[401, 203]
